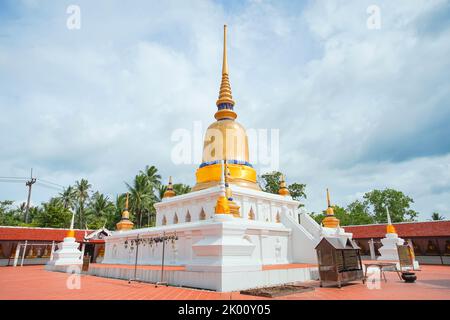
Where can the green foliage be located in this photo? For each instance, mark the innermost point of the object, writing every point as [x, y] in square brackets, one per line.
[81, 194]
[397, 202]
[181, 188]
[52, 214]
[100, 210]
[94, 210]
[8, 215]
[435, 216]
[372, 209]
[270, 182]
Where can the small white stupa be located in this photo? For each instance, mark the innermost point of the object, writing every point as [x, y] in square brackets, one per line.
[389, 249]
[68, 252]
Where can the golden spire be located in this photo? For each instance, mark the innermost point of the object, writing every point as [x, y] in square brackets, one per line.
[225, 103]
[389, 228]
[284, 191]
[330, 210]
[125, 223]
[71, 232]
[169, 191]
[330, 221]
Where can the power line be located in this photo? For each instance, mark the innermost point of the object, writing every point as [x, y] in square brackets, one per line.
[22, 178]
[56, 184]
[48, 186]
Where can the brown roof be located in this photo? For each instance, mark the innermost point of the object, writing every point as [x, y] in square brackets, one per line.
[40, 234]
[404, 229]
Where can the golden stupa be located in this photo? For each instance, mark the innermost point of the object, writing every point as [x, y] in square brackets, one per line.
[283, 191]
[169, 191]
[226, 140]
[125, 223]
[330, 221]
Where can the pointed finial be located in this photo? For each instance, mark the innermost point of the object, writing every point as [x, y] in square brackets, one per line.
[330, 221]
[225, 61]
[225, 103]
[71, 232]
[328, 199]
[169, 191]
[284, 191]
[389, 228]
[125, 223]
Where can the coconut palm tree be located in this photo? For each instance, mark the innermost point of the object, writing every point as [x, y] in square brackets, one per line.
[181, 188]
[68, 197]
[99, 211]
[153, 178]
[141, 197]
[82, 195]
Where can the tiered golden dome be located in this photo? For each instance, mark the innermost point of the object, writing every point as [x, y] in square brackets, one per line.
[226, 140]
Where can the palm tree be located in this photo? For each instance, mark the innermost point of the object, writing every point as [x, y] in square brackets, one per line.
[68, 197]
[141, 197]
[100, 210]
[160, 190]
[181, 188]
[435, 216]
[82, 195]
[153, 178]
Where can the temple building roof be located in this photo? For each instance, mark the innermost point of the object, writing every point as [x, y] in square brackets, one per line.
[404, 229]
[14, 233]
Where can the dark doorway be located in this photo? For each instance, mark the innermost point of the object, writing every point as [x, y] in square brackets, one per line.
[89, 250]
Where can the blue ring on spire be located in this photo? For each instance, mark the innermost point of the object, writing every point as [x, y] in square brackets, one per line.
[222, 106]
[241, 162]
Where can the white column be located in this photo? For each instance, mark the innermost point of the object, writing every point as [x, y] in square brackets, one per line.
[24, 251]
[53, 250]
[16, 256]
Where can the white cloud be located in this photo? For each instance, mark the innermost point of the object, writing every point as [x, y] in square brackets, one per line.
[358, 109]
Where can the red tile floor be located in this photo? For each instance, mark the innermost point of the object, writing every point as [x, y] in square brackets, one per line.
[33, 282]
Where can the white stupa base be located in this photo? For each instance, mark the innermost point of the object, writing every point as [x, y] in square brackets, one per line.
[67, 254]
[389, 250]
[336, 233]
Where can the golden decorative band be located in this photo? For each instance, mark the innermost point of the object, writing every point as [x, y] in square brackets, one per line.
[240, 175]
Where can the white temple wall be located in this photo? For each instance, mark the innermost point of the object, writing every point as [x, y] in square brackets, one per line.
[271, 245]
[221, 242]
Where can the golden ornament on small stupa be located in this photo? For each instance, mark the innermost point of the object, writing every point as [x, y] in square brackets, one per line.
[389, 228]
[283, 191]
[330, 221]
[125, 223]
[169, 191]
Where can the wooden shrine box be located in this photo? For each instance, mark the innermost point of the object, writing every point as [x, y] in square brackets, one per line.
[339, 262]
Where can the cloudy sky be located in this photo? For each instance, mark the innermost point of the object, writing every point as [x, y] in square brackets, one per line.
[357, 107]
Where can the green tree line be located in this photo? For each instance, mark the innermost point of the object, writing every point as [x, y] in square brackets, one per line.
[94, 209]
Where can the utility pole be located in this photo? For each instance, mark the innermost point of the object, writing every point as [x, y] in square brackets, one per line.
[29, 184]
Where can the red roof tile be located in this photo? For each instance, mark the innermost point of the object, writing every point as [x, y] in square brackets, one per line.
[39, 234]
[404, 229]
